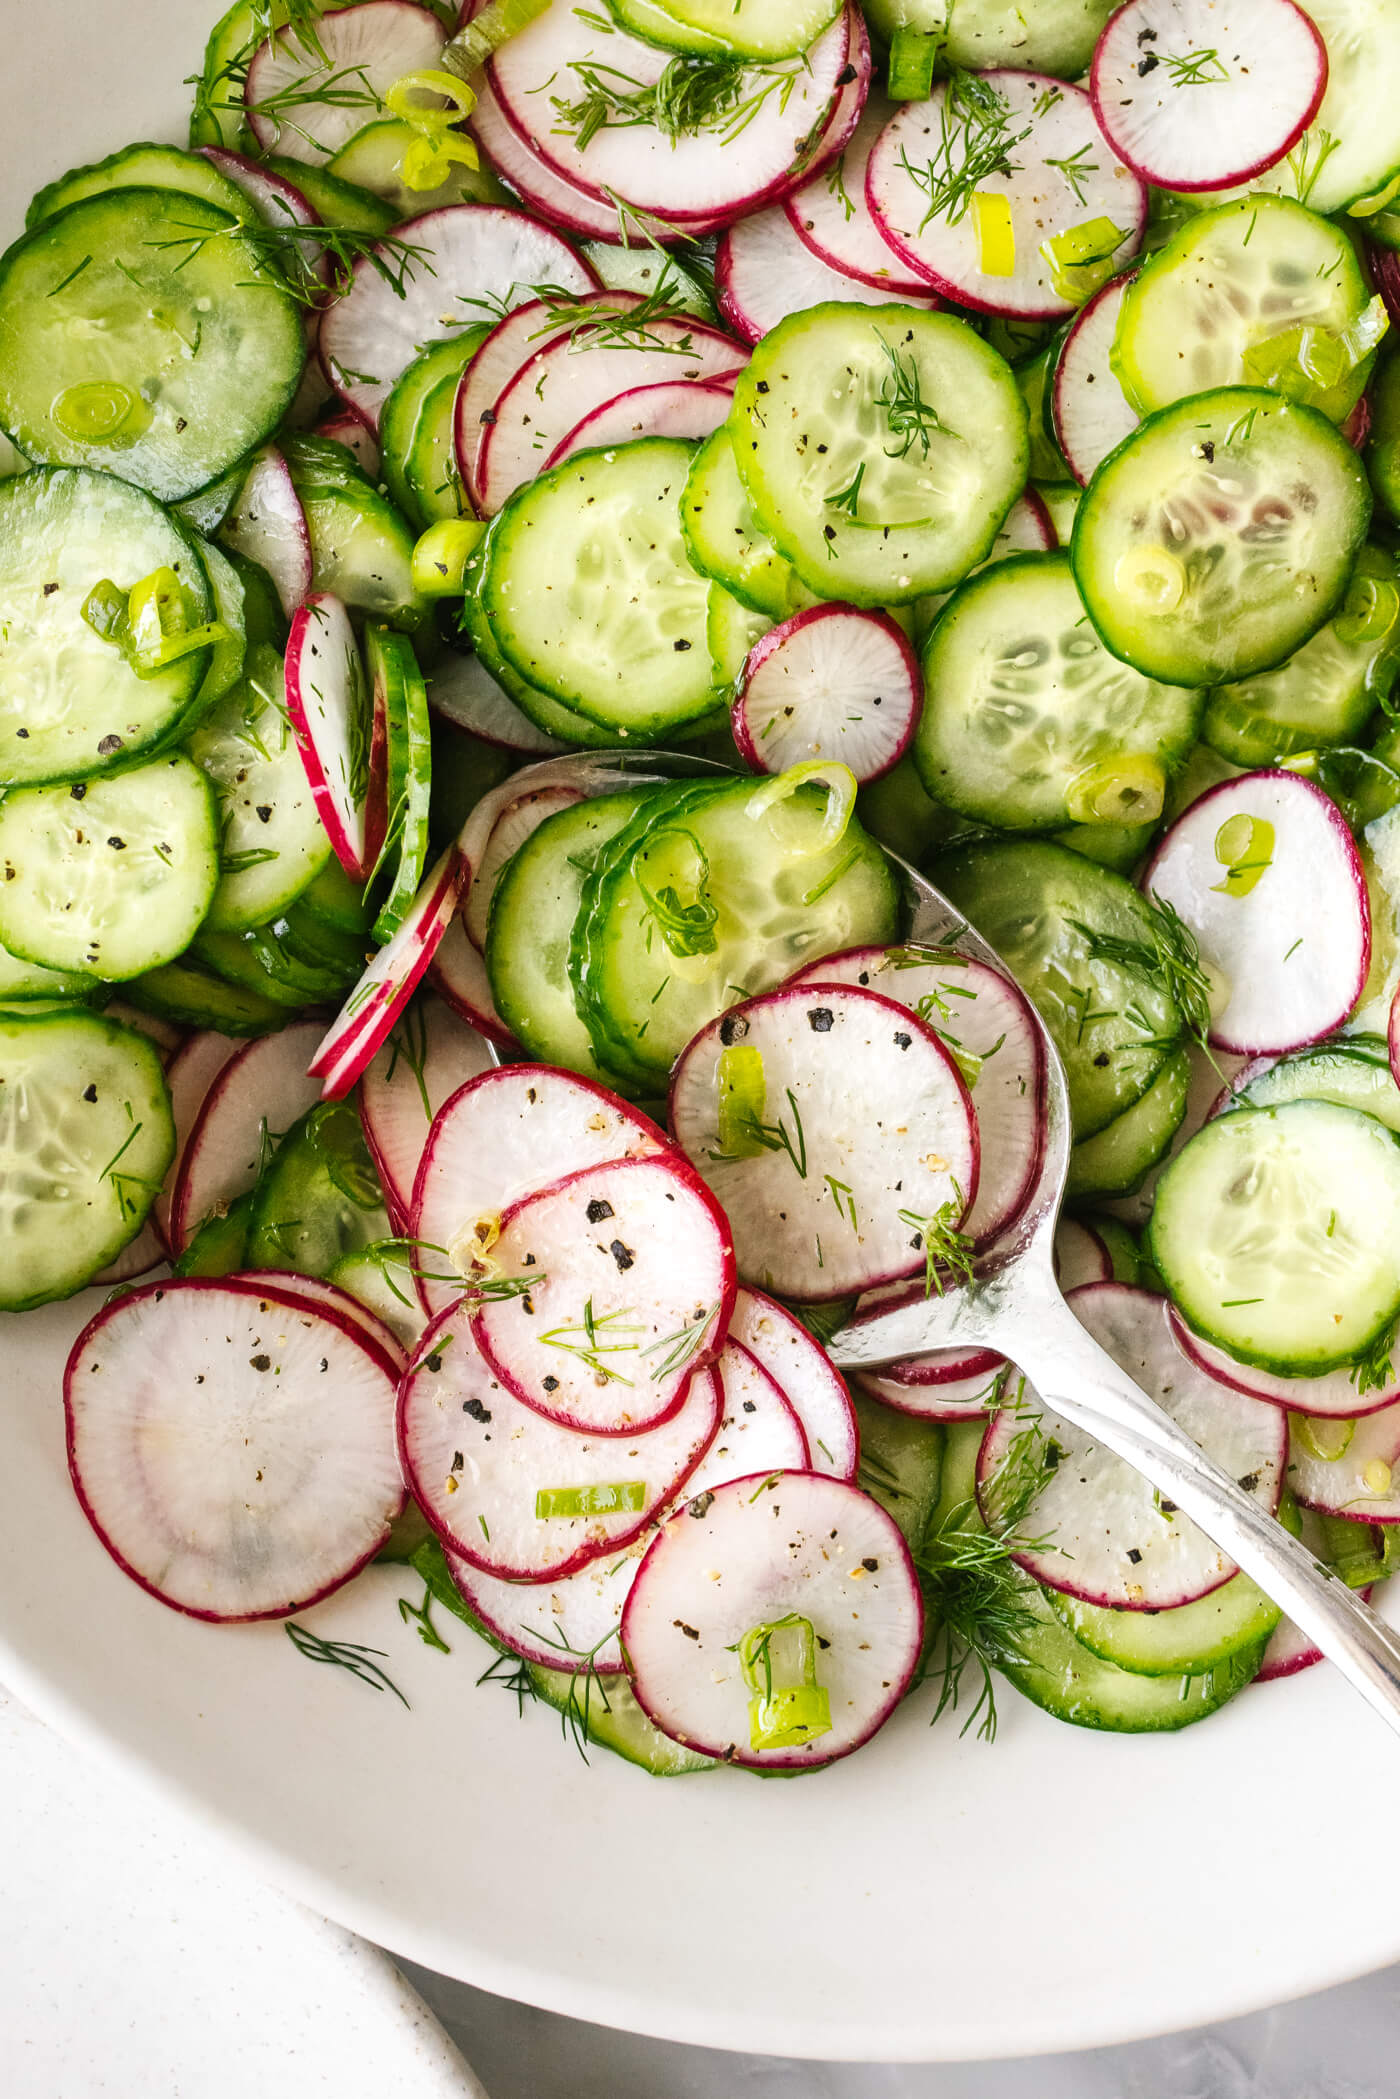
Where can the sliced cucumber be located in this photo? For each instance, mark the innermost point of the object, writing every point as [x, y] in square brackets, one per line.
[1029, 722]
[393, 669]
[724, 539]
[731, 629]
[654, 273]
[1350, 1074]
[902, 1465]
[1063, 1677]
[603, 1709]
[194, 998]
[207, 508]
[1229, 280]
[140, 167]
[361, 549]
[70, 702]
[1353, 146]
[881, 447]
[219, 1245]
[1219, 536]
[373, 160]
[110, 878]
[418, 455]
[541, 708]
[1113, 1025]
[141, 332]
[1383, 450]
[1277, 1231]
[272, 840]
[588, 591]
[1185, 1641]
[219, 117]
[1117, 1160]
[21, 982]
[87, 1141]
[319, 1199]
[532, 922]
[335, 201]
[337, 903]
[1053, 36]
[227, 656]
[762, 29]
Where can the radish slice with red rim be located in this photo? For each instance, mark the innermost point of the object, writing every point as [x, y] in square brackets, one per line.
[190, 1074]
[617, 1284]
[345, 426]
[1065, 177]
[232, 1447]
[1080, 1256]
[830, 215]
[257, 1094]
[504, 1134]
[836, 1130]
[1362, 1479]
[1205, 94]
[268, 525]
[764, 272]
[329, 710]
[570, 1623]
[806, 1376]
[583, 368]
[519, 820]
[371, 45]
[1286, 1652]
[517, 1494]
[277, 202]
[362, 1026]
[1266, 876]
[138, 1257]
[686, 408]
[936, 1366]
[1335, 1395]
[1107, 1536]
[539, 76]
[325, 1296]
[758, 1430]
[462, 691]
[1091, 412]
[458, 975]
[831, 682]
[983, 1020]
[429, 1056]
[791, 1550]
[468, 259]
[564, 204]
[959, 1399]
[514, 340]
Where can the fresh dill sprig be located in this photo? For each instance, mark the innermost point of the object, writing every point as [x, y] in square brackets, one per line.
[342, 1654]
[836, 187]
[1076, 168]
[421, 1615]
[691, 96]
[945, 1248]
[342, 87]
[301, 18]
[681, 1346]
[597, 324]
[595, 1338]
[1375, 1370]
[586, 1682]
[776, 1137]
[1169, 959]
[289, 255]
[1194, 68]
[409, 1041]
[848, 498]
[975, 140]
[1304, 167]
[911, 419]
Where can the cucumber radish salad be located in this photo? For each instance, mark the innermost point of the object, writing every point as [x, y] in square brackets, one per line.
[511, 541]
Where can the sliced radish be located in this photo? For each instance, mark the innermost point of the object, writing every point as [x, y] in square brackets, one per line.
[1080, 1256]
[1204, 94]
[635, 1287]
[430, 1055]
[793, 1545]
[190, 1073]
[138, 1257]
[166, 1036]
[1266, 875]
[268, 525]
[514, 340]
[1334, 1395]
[467, 260]
[458, 975]
[1362, 1480]
[330, 713]
[462, 691]
[1288, 1649]
[831, 682]
[1091, 412]
[307, 95]
[254, 1099]
[564, 204]
[517, 1494]
[1385, 268]
[852, 1133]
[538, 73]
[347, 427]
[936, 1366]
[519, 820]
[764, 271]
[325, 1296]
[960, 1399]
[513, 1130]
[758, 1431]
[1108, 1538]
[680, 408]
[571, 1623]
[984, 1020]
[233, 1448]
[806, 1376]
[363, 1024]
[830, 215]
[1064, 175]
[578, 371]
[276, 201]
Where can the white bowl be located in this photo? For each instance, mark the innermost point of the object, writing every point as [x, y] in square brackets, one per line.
[930, 1898]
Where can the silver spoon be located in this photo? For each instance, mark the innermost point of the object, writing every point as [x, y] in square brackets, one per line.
[1013, 1305]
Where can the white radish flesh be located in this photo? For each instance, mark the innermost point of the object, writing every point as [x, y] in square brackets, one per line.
[791, 1544]
[865, 1136]
[307, 94]
[806, 1376]
[519, 820]
[635, 1285]
[346, 427]
[1204, 94]
[960, 1399]
[1362, 1481]
[562, 203]
[365, 1020]
[983, 1019]
[329, 710]
[268, 525]
[325, 1296]
[1334, 1395]
[190, 1073]
[498, 1481]
[233, 1448]
[511, 1131]
[1265, 874]
[258, 1094]
[1108, 1537]
[831, 682]
[830, 215]
[758, 1431]
[764, 271]
[462, 691]
[570, 1623]
[517, 337]
[429, 1056]
[691, 409]
[1091, 412]
[1080, 1256]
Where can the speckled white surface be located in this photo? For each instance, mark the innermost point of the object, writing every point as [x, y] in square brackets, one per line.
[137, 1962]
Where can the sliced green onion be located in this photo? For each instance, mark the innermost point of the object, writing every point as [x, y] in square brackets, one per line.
[607, 1498]
[1081, 259]
[150, 622]
[996, 234]
[913, 56]
[402, 99]
[100, 411]
[1322, 368]
[440, 557]
[779, 1662]
[1361, 1552]
[742, 1088]
[1244, 847]
[1130, 789]
[840, 784]
[672, 871]
[104, 609]
[1322, 1436]
[494, 26]
[427, 162]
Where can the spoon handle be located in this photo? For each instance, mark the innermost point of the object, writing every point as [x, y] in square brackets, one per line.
[1078, 1379]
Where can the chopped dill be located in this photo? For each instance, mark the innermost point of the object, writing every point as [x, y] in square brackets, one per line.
[342, 1654]
[692, 95]
[946, 1250]
[975, 140]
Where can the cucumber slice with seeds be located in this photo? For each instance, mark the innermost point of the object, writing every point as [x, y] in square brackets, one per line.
[140, 167]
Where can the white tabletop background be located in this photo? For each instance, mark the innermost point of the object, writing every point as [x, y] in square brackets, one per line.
[137, 1961]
